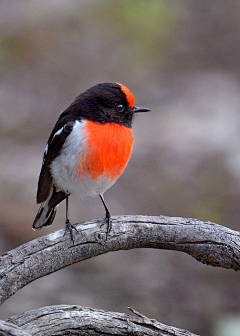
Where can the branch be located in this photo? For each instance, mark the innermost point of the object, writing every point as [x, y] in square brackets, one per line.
[77, 320]
[207, 242]
[9, 329]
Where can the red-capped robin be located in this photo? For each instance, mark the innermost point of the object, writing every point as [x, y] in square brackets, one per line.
[87, 151]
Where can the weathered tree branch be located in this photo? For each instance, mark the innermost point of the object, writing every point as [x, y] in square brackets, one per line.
[10, 329]
[76, 320]
[207, 242]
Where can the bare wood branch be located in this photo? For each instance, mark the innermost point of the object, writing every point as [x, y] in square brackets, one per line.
[10, 329]
[77, 320]
[207, 242]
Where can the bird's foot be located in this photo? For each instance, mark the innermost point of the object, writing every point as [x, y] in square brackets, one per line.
[69, 228]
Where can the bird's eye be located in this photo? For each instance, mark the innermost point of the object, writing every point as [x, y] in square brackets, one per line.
[120, 108]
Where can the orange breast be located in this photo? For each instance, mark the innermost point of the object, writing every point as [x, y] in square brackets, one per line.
[108, 150]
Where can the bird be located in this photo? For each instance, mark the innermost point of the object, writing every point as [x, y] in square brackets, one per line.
[87, 150]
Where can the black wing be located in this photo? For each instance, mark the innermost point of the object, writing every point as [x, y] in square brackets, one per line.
[56, 140]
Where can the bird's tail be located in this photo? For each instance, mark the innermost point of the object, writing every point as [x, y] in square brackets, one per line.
[48, 209]
[44, 217]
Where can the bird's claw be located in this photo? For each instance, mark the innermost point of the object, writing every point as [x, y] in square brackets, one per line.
[69, 228]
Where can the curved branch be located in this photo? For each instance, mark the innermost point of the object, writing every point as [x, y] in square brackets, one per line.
[77, 320]
[207, 242]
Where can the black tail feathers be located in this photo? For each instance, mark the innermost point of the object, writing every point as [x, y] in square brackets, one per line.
[48, 209]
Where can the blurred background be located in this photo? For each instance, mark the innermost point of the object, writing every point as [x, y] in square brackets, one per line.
[181, 59]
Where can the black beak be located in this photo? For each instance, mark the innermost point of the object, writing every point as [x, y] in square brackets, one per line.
[137, 109]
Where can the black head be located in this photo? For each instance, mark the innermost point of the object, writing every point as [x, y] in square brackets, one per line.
[106, 102]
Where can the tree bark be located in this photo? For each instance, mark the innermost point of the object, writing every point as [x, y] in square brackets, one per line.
[207, 242]
[10, 329]
[76, 320]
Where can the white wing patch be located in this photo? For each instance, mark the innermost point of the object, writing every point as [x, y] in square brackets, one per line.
[58, 132]
[46, 148]
[45, 152]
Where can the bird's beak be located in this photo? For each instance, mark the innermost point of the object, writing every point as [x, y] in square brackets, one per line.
[137, 109]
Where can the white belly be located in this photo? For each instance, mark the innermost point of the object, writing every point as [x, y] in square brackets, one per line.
[63, 168]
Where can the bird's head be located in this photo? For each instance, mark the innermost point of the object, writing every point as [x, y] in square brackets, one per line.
[108, 102]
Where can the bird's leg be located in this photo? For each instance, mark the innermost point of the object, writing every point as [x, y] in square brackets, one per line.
[69, 227]
[108, 215]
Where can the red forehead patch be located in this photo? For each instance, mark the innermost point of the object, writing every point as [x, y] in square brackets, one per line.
[129, 95]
